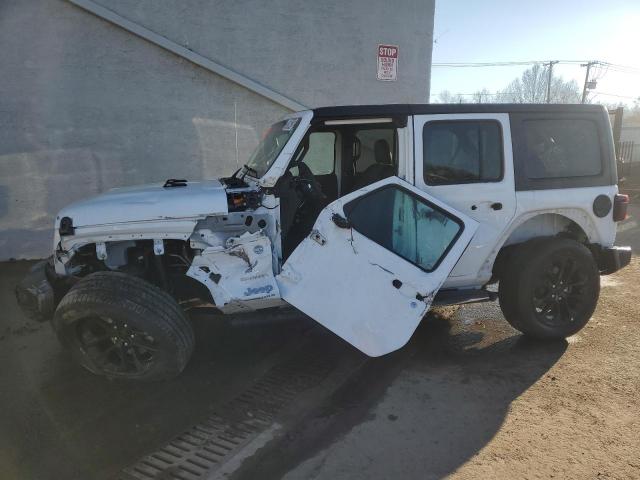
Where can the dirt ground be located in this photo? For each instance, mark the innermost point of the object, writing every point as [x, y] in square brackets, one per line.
[467, 398]
[580, 419]
[471, 398]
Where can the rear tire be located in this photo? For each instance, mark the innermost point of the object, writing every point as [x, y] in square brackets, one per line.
[121, 326]
[550, 288]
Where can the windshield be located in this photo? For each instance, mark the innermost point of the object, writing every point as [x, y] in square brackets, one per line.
[273, 141]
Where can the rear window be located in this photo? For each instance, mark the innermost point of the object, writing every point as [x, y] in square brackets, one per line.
[557, 148]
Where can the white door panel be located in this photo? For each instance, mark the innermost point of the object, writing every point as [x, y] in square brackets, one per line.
[358, 288]
[491, 203]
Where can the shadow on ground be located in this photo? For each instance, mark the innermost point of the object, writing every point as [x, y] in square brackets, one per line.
[419, 413]
[424, 411]
[59, 421]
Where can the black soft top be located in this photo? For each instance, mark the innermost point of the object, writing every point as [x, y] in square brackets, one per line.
[391, 110]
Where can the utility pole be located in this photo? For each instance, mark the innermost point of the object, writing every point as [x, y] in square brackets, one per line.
[586, 79]
[550, 74]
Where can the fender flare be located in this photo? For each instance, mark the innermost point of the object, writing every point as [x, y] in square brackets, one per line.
[576, 215]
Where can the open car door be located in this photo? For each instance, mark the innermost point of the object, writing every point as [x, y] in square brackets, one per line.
[373, 263]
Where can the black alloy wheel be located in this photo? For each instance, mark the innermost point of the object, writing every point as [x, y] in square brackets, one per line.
[121, 326]
[550, 287]
[119, 348]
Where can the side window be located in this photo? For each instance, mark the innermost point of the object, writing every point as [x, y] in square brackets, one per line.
[369, 153]
[321, 156]
[558, 148]
[462, 152]
[405, 224]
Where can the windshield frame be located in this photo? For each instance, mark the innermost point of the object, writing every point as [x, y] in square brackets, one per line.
[278, 167]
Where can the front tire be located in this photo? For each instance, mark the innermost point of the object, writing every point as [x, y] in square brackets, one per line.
[550, 288]
[121, 326]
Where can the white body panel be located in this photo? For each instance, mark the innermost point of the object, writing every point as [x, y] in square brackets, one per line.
[149, 203]
[344, 280]
[240, 275]
[538, 215]
[574, 203]
[474, 199]
[346, 283]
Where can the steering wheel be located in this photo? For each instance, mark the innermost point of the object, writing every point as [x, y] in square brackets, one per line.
[308, 187]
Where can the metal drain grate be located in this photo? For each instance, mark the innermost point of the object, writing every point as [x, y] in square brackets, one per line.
[204, 447]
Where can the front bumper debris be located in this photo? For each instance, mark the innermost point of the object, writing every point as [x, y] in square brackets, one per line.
[35, 293]
[612, 259]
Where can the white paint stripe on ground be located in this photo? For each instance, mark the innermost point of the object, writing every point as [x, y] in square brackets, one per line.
[235, 462]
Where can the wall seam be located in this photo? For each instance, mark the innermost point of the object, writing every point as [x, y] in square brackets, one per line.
[188, 54]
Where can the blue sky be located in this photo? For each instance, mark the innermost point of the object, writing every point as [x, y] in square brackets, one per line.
[512, 30]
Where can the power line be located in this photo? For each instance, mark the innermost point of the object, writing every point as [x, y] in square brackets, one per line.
[621, 68]
[483, 64]
[596, 69]
[612, 66]
[501, 64]
[475, 93]
[619, 96]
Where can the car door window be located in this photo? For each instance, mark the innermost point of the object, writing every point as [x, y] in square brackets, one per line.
[462, 152]
[320, 155]
[405, 224]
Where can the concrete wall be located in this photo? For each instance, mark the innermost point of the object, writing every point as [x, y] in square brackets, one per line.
[85, 106]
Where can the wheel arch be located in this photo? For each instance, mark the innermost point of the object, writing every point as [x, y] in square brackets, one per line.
[570, 223]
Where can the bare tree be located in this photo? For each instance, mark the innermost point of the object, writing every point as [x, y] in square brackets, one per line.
[531, 87]
[447, 97]
[482, 96]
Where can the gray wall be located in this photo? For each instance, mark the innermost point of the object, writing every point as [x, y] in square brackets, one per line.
[85, 106]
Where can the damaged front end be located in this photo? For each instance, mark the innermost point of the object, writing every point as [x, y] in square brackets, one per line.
[207, 243]
[212, 243]
[240, 275]
[39, 291]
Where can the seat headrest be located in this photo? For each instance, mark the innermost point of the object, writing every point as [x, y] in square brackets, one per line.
[382, 152]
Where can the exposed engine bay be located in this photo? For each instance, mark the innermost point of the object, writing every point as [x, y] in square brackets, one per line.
[228, 259]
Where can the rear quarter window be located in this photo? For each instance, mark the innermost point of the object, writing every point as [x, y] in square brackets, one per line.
[557, 148]
[562, 149]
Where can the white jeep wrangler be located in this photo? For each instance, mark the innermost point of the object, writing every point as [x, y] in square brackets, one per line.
[362, 217]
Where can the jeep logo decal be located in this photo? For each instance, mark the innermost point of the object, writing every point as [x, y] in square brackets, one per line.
[255, 291]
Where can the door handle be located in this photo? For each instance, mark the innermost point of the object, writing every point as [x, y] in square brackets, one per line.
[496, 206]
[340, 221]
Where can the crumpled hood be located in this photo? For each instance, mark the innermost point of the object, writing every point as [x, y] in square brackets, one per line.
[149, 202]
